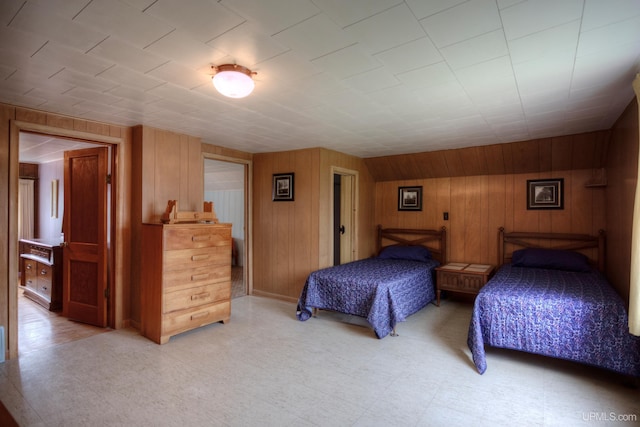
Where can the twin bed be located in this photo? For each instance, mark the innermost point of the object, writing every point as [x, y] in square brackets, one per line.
[554, 302]
[549, 296]
[384, 289]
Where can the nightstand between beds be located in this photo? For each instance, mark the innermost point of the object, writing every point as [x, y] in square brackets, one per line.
[462, 277]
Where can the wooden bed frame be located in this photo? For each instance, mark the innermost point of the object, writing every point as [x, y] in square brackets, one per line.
[434, 240]
[564, 241]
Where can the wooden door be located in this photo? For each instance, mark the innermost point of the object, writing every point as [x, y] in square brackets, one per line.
[85, 235]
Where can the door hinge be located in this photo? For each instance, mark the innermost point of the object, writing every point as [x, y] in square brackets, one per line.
[108, 179]
[106, 293]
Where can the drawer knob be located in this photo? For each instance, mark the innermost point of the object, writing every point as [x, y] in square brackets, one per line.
[200, 238]
[43, 272]
[197, 277]
[28, 266]
[200, 296]
[44, 288]
[199, 257]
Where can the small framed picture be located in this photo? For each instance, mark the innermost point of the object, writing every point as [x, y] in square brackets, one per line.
[410, 198]
[545, 193]
[282, 187]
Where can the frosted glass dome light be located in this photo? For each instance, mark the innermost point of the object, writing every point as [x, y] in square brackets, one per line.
[233, 81]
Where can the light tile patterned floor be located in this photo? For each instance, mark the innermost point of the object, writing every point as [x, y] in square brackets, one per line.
[266, 368]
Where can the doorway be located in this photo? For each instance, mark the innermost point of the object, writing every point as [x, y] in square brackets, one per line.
[344, 222]
[37, 326]
[225, 184]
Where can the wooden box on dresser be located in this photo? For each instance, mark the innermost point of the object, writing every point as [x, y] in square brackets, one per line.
[186, 278]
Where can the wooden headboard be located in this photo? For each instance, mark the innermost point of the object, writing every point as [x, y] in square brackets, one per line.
[510, 242]
[434, 240]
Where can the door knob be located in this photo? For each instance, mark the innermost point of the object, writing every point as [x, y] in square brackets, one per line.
[341, 229]
[64, 244]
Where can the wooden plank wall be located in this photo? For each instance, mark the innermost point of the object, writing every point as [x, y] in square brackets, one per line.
[479, 205]
[581, 151]
[285, 241]
[289, 237]
[622, 174]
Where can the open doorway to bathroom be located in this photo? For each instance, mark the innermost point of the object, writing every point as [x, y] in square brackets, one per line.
[225, 186]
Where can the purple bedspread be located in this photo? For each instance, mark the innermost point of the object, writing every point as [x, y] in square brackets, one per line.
[383, 291]
[562, 314]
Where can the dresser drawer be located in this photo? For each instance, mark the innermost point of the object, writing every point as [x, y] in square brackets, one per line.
[44, 287]
[44, 271]
[183, 320]
[197, 296]
[196, 237]
[193, 258]
[462, 282]
[182, 279]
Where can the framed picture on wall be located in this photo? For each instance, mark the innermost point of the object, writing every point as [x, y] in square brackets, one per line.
[545, 193]
[410, 198]
[282, 187]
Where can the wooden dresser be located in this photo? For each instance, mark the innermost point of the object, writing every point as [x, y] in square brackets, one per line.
[186, 278]
[41, 277]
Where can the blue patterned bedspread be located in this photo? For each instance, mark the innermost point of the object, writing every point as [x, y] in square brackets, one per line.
[383, 291]
[562, 314]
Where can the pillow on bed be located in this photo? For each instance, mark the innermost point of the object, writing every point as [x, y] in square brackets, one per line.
[550, 258]
[411, 253]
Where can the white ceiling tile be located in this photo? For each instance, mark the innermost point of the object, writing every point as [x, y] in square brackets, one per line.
[44, 21]
[530, 17]
[186, 50]
[544, 43]
[127, 55]
[203, 19]
[273, 19]
[372, 80]
[8, 10]
[422, 9]
[345, 13]
[128, 77]
[550, 73]
[625, 34]
[478, 49]
[70, 77]
[62, 57]
[598, 13]
[431, 75]
[16, 41]
[410, 56]
[608, 67]
[314, 37]
[346, 62]
[400, 27]
[247, 45]
[392, 89]
[141, 5]
[462, 22]
[124, 21]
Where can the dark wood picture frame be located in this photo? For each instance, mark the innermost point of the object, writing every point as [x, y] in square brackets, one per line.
[410, 198]
[545, 193]
[283, 187]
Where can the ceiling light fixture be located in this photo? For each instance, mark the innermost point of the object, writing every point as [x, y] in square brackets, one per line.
[234, 81]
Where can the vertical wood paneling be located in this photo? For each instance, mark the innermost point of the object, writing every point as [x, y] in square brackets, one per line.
[291, 239]
[478, 206]
[457, 218]
[622, 177]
